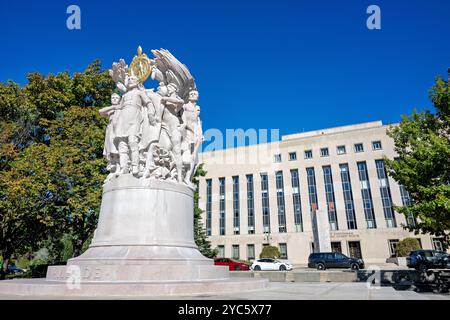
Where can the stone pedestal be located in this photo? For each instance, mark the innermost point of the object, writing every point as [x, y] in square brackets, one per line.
[144, 240]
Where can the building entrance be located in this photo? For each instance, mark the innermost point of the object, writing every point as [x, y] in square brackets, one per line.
[354, 249]
[336, 247]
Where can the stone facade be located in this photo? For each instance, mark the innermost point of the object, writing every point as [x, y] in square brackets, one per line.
[372, 244]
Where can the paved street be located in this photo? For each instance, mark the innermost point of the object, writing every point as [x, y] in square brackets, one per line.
[302, 291]
[324, 291]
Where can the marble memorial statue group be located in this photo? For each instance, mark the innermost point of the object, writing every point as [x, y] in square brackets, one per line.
[153, 134]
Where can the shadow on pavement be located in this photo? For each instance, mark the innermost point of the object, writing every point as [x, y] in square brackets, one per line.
[437, 281]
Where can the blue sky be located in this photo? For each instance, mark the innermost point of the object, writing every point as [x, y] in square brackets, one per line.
[292, 65]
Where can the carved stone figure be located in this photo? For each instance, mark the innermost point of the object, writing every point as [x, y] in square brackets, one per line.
[127, 128]
[151, 134]
[193, 135]
[110, 150]
[171, 127]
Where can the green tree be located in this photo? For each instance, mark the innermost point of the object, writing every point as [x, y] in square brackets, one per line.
[21, 224]
[269, 252]
[422, 142]
[73, 168]
[200, 236]
[51, 164]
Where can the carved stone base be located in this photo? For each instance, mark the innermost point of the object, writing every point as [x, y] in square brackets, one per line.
[38, 288]
[136, 273]
[145, 233]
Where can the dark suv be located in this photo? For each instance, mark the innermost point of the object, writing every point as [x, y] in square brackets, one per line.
[324, 260]
[423, 260]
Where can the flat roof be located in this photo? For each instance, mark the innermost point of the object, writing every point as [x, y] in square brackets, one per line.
[308, 134]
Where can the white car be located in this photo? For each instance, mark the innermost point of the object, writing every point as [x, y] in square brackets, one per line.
[271, 264]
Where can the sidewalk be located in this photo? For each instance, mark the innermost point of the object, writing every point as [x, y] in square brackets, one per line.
[295, 291]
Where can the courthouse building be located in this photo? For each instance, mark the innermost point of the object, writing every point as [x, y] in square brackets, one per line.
[264, 194]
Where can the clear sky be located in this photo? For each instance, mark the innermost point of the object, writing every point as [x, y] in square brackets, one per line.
[292, 65]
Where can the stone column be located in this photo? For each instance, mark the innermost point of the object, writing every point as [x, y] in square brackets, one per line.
[321, 231]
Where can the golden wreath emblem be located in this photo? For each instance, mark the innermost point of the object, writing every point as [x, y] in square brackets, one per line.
[141, 66]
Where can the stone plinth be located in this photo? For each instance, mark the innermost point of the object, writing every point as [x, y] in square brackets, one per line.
[45, 289]
[143, 246]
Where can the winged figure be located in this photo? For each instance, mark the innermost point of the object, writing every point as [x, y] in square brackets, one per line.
[168, 70]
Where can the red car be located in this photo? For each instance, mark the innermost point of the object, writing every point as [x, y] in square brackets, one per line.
[232, 264]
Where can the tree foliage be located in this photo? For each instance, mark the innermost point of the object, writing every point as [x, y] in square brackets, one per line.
[200, 236]
[269, 252]
[51, 164]
[422, 141]
[70, 169]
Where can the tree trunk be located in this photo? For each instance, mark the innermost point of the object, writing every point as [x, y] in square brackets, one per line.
[4, 269]
[77, 247]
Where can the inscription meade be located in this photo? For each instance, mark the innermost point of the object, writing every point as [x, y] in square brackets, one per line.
[85, 273]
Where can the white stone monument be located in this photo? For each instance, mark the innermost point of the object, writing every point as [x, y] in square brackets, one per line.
[144, 242]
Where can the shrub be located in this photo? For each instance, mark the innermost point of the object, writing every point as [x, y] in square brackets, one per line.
[38, 268]
[405, 246]
[269, 252]
[23, 275]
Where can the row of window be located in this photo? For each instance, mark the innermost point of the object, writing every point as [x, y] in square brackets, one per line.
[349, 206]
[236, 254]
[353, 247]
[437, 244]
[324, 152]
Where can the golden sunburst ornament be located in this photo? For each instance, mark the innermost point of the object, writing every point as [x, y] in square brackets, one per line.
[141, 66]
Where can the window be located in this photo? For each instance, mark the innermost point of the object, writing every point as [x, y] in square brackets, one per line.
[250, 252]
[324, 152]
[283, 251]
[329, 194]
[406, 201]
[296, 200]
[292, 156]
[280, 201]
[426, 254]
[236, 218]
[308, 154]
[420, 243]
[437, 244]
[340, 150]
[250, 205]
[338, 255]
[222, 206]
[235, 254]
[220, 251]
[366, 195]
[265, 202]
[208, 206]
[359, 147]
[348, 196]
[393, 247]
[376, 145]
[312, 191]
[277, 158]
[385, 192]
